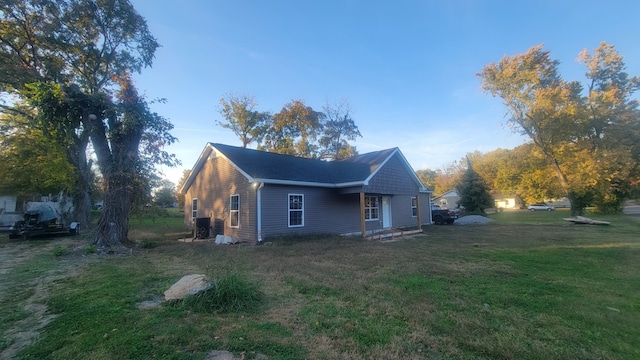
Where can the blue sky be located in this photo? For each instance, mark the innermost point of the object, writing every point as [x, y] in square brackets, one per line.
[408, 68]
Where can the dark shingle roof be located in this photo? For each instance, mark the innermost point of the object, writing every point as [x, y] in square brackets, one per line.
[271, 166]
[262, 166]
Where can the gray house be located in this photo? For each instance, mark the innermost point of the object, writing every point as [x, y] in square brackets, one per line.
[251, 195]
[447, 200]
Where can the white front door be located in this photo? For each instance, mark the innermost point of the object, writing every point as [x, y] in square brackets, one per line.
[386, 212]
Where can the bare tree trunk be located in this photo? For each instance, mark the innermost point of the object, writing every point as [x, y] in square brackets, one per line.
[112, 230]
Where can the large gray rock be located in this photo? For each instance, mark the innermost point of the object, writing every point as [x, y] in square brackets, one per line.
[188, 285]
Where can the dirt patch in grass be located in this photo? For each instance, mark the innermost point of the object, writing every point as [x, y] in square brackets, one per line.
[14, 257]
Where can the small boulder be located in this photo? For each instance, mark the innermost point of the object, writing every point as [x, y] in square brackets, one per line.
[188, 285]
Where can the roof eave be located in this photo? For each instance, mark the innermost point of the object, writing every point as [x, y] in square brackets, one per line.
[308, 183]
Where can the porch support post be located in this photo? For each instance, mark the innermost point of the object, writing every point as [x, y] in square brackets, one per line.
[418, 211]
[363, 225]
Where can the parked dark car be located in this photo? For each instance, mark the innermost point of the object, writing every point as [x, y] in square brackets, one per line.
[441, 216]
[42, 221]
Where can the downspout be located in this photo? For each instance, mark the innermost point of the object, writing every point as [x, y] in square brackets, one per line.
[430, 209]
[259, 212]
[363, 224]
[418, 211]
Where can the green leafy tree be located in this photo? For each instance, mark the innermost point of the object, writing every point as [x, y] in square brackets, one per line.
[294, 131]
[31, 163]
[165, 193]
[71, 60]
[242, 118]
[611, 144]
[59, 110]
[474, 192]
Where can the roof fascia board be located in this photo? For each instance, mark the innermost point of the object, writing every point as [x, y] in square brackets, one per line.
[307, 183]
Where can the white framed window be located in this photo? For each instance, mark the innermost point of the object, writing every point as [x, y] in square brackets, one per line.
[414, 206]
[194, 209]
[371, 208]
[234, 211]
[296, 210]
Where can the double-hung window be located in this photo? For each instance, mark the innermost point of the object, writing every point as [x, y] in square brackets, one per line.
[234, 211]
[194, 209]
[371, 208]
[414, 207]
[296, 210]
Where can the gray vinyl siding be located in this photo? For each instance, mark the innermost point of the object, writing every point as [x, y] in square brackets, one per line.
[213, 186]
[401, 210]
[328, 211]
[425, 209]
[325, 211]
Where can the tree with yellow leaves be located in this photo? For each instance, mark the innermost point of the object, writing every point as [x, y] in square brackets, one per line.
[589, 136]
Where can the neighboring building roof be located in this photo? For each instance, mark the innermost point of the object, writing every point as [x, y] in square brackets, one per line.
[445, 194]
[266, 167]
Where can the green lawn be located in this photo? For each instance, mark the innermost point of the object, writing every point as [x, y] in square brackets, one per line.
[529, 286]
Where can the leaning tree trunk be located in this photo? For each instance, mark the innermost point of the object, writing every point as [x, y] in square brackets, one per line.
[112, 230]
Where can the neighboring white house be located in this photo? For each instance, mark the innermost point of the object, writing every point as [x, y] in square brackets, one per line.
[506, 201]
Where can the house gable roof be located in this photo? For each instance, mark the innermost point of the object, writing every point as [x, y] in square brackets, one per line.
[273, 168]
